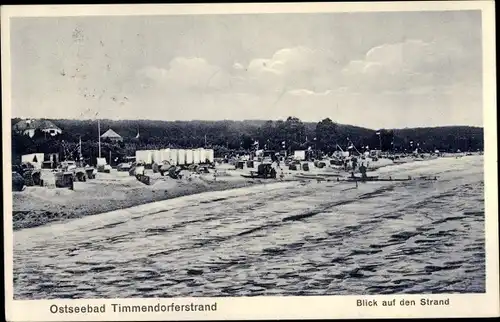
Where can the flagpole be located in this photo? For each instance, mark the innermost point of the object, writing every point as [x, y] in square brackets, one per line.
[80, 151]
[99, 133]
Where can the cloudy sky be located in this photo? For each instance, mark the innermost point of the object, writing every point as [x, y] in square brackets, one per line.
[369, 69]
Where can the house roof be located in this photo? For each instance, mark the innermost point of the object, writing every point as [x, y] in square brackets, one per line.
[110, 134]
[34, 125]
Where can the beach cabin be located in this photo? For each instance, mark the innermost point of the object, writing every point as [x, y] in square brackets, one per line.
[210, 154]
[189, 156]
[181, 156]
[36, 159]
[173, 157]
[299, 155]
[196, 156]
[165, 155]
[156, 156]
[101, 162]
[102, 165]
[203, 156]
[144, 156]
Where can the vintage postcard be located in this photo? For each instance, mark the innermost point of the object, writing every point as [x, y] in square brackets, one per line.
[250, 161]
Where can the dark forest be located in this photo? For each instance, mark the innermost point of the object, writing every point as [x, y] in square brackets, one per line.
[230, 136]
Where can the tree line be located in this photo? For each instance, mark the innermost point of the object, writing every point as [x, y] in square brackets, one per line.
[227, 137]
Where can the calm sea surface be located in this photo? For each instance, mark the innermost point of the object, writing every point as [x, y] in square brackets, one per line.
[278, 239]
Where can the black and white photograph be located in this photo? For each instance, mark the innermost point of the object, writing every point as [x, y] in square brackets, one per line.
[278, 154]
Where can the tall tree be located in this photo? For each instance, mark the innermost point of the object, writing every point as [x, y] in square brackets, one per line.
[295, 132]
[326, 135]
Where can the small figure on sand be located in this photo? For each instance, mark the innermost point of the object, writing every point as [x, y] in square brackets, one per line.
[354, 161]
[363, 167]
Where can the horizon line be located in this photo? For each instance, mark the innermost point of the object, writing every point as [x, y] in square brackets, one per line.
[250, 120]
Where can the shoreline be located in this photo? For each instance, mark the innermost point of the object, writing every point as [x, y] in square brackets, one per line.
[39, 206]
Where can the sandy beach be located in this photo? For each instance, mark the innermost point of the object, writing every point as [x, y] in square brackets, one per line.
[278, 238]
[37, 206]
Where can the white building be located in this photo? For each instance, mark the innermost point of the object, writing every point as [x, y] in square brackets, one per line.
[29, 127]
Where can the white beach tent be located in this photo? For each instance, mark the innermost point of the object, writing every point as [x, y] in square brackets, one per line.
[173, 158]
[157, 156]
[101, 161]
[165, 155]
[36, 159]
[138, 156]
[181, 156]
[144, 156]
[299, 155]
[189, 156]
[210, 155]
[203, 156]
[196, 156]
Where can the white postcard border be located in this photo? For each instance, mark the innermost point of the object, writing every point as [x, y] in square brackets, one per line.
[288, 307]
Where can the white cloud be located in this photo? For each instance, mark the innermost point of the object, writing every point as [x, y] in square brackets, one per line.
[285, 60]
[286, 69]
[306, 92]
[238, 66]
[391, 79]
[291, 68]
[412, 65]
[185, 73]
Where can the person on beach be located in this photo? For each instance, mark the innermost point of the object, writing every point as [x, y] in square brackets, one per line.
[354, 161]
[363, 167]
